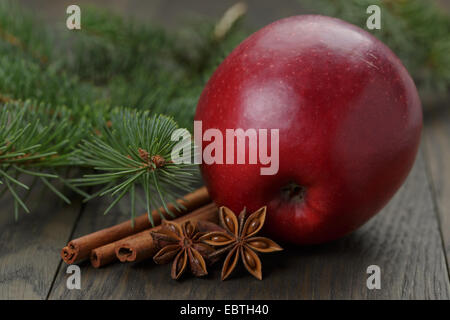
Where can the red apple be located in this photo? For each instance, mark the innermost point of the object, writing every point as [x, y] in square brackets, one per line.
[349, 120]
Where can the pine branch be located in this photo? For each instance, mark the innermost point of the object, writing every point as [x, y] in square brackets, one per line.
[144, 67]
[70, 105]
[134, 148]
[110, 46]
[22, 34]
[126, 150]
[34, 139]
[22, 79]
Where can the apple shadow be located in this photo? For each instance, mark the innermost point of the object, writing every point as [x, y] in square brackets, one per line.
[352, 246]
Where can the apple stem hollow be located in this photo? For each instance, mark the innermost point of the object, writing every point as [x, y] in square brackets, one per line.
[293, 192]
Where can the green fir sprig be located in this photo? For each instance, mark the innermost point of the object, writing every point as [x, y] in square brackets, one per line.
[74, 89]
[34, 141]
[134, 148]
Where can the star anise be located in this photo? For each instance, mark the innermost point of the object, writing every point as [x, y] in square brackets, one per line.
[180, 243]
[239, 240]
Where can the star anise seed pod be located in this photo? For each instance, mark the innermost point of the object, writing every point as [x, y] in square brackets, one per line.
[181, 244]
[238, 238]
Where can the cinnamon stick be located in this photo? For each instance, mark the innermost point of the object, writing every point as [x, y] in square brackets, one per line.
[142, 246]
[80, 249]
[106, 254]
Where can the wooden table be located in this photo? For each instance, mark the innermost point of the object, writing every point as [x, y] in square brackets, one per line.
[409, 240]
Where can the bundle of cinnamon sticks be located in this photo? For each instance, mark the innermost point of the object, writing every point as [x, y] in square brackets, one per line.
[127, 243]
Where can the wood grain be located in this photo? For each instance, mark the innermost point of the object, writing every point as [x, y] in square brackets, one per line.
[437, 151]
[28, 247]
[404, 240]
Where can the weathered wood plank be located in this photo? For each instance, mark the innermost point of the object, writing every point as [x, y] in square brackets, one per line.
[29, 248]
[403, 240]
[437, 151]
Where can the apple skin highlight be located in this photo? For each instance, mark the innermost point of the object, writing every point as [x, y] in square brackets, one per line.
[349, 119]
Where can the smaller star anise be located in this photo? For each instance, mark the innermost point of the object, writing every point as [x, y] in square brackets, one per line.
[180, 243]
[239, 240]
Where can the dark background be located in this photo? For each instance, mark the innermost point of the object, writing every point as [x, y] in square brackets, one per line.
[171, 12]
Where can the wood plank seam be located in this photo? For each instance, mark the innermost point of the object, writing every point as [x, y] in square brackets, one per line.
[432, 188]
[74, 227]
